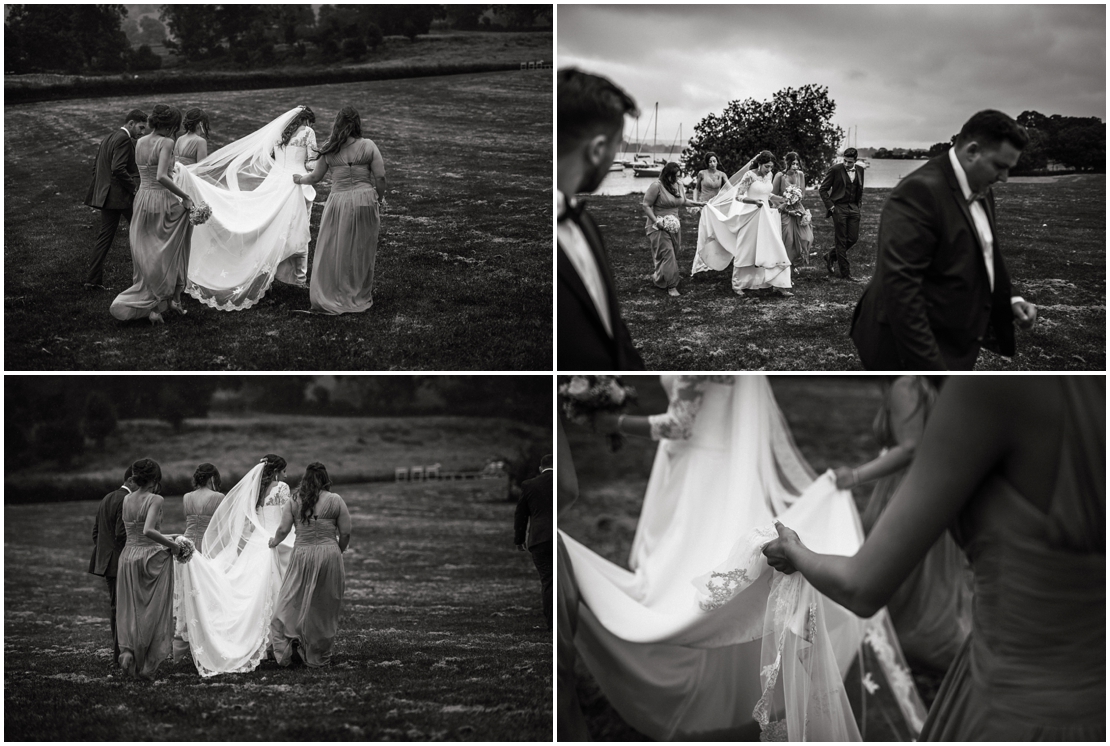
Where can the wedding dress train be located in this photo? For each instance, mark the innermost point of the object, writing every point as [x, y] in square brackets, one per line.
[702, 637]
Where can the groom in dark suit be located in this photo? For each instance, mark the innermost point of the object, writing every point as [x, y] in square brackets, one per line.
[941, 290]
[115, 181]
[842, 192]
[592, 335]
[109, 538]
[533, 518]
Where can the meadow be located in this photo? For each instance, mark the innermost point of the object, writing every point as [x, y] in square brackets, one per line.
[463, 279]
[441, 636]
[830, 418]
[1052, 233]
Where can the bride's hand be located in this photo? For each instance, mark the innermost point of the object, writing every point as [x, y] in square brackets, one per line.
[777, 551]
[845, 478]
[273, 542]
[296, 178]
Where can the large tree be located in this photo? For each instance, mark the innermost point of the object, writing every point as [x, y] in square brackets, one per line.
[1077, 142]
[795, 119]
[65, 38]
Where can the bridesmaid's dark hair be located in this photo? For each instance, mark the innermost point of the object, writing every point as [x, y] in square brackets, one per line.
[669, 178]
[205, 472]
[709, 155]
[925, 387]
[273, 464]
[165, 117]
[314, 481]
[306, 116]
[193, 117]
[347, 124]
[145, 472]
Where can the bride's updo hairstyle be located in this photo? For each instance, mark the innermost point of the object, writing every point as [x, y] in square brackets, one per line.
[146, 472]
[193, 117]
[305, 117]
[347, 124]
[205, 472]
[273, 464]
[669, 177]
[165, 118]
[765, 156]
[314, 481]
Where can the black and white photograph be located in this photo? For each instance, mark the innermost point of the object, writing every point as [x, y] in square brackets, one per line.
[831, 558]
[277, 187]
[278, 558]
[831, 187]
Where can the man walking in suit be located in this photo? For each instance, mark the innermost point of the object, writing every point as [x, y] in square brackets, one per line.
[533, 513]
[592, 335]
[109, 537]
[842, 191]
[115, 181]
[941, 290]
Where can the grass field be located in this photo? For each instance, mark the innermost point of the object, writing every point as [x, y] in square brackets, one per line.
[437, 638]
[830, 418]
[463, 268]
[1052, 234]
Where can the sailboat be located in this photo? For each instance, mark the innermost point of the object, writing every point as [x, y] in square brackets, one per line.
[644, 167]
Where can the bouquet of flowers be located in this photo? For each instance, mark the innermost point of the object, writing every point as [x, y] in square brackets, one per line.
[792, 195]
[187, 549]
[807, 217]
[199, 214]
[583, 397]
[670, 224]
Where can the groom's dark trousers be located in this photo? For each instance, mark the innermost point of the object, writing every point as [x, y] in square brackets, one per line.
[846, 194]
[109, 537]
[112, 191]
[534, 513]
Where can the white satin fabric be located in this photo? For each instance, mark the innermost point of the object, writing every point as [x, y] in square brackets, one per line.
[702, 637]
[259, 216]
[224, 599]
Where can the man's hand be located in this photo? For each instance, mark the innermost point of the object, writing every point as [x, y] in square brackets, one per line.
[1025, 314]
[520, 547]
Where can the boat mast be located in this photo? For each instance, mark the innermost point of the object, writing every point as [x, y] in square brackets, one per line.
[655, 137]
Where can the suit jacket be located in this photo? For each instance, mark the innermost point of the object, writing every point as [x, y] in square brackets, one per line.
[533, 511]
[115, 175]
[109, 535]
[583, 342]
[929, 305]
[834, 187]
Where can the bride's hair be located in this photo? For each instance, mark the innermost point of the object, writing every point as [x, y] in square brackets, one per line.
[193, 117]
[205, 472]
[315, 480]
[145, 472]
[347, 124]
[273, 464]
[669, 178]
[305, 117]
[765, 156]
[165, 117]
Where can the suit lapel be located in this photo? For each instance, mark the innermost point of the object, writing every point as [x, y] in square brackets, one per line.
[569, 275]
[958, 196]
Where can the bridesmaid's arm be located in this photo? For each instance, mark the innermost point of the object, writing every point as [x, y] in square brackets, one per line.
[776, 185]
[907, 419]
[344, 525]
[166, 163]
[153, 518]
[286, 524]
[202, 149]
[315, 176]
[648, 203]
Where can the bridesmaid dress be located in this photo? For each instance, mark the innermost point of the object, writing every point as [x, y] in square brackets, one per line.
[160, 236]
[797, 238]
[347, 245]
[664, 245]
[187, 147]
[1034, 665]
[144, 591]
[199, 509]
[308, 606]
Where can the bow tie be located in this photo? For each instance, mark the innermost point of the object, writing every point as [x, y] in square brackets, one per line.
[573, 212]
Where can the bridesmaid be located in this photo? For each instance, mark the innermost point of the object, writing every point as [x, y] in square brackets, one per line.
[347, 244]
[160, 228]
[193, 145]
[144, 593]
[796, 237]
[307, 611]
[932, 608]
[664, 197]
[199, 506]
[709, 181]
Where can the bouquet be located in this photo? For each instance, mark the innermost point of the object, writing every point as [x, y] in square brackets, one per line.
[199, 214]
[807, 217]
[670, 224]
[583, 397]
[187, 549]
[792, 195]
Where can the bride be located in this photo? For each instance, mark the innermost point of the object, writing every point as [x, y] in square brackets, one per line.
[224, 597]
[259, 228]
[700, 638]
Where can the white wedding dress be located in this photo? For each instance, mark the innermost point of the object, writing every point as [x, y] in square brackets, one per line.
[259, 228]
[702, 637]
[224, 599]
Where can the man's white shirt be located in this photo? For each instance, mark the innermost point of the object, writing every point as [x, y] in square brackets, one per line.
[573, 243]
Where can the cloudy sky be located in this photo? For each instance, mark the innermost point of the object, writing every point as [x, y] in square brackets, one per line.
[907, 76]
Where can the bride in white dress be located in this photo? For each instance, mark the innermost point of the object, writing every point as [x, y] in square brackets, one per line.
[224, 598]
[741, 225]
[259, 228]
[701, 637]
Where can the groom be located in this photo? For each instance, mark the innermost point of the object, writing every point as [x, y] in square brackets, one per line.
[533, 517]
[940, 289]
[109, 538]
[842, 191]
[115, 181]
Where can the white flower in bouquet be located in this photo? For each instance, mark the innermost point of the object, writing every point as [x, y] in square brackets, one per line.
[792, 195]
[616, 392]
[670, 224]
[807, 217]
[199, 214]
[187, 549]
[578, 386]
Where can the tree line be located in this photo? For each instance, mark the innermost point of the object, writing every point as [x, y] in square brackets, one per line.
[101, 38]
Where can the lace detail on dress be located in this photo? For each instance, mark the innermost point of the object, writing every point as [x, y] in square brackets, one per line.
[785, 590]
[678, 422]
[721, 587]
[897, 675]
[279, 495]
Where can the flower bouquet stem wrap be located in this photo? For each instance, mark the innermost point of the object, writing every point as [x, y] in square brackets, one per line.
[583, 397]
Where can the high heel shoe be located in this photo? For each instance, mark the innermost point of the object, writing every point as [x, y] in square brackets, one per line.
[156, 318]
[176, 306]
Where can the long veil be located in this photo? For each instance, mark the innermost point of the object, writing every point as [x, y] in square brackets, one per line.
[258, 218]
[224, 598]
